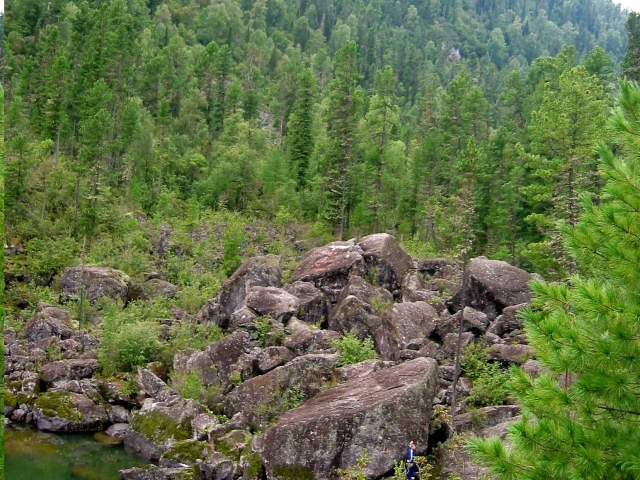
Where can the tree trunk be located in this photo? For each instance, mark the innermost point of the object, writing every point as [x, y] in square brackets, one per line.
[456, 374]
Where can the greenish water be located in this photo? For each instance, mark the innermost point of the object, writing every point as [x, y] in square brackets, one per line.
[33, 455]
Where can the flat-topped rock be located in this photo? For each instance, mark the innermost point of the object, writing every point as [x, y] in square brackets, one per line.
[493, 286]
[97, 282]
[272, 301]
[378, 412]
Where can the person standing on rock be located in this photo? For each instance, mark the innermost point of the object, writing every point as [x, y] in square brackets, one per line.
[412, 468]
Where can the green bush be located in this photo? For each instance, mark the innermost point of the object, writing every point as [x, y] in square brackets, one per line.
[191, 386]
[490, 381]
[232, 243]
[262, 326]
[353, 350]
[129, 338]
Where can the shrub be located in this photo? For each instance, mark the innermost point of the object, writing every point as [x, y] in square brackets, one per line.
[232, 243]
[353, 350]
[357, 471]
[294, 396]
[191, 386]
[490, 381]
[262, 326]
[126, 341]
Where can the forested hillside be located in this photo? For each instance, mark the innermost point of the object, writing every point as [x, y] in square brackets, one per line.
[444, 123]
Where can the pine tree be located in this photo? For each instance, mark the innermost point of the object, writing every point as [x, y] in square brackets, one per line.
[300, 140]
[581, 418]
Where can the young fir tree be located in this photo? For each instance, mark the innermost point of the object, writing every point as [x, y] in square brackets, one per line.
[581, 418]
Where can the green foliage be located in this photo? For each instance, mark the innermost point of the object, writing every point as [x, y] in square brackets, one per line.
[232, 243]
[353, 350]
[191, 386]
[580, 417]
[129, 337]
[235, 379]
[355, 472]
[294, 397]
[261, 327]
[490, 381]
[379, 305]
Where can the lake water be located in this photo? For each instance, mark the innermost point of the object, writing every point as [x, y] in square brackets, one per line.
[33, 455]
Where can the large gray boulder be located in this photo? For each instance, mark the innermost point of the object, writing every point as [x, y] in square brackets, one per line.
[387, 263]
[401, 324]
[264, 398]
[159, 425]
[48, 322]
[493, 286]
[313, 303]
[68, 370]
[274, 302]
[256, 272]
[215, 365]
[379, 413]
[329, 267]
[353, 315]
[97, 281]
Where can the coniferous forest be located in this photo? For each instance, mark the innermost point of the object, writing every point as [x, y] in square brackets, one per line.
[458, 119]
[176, 139]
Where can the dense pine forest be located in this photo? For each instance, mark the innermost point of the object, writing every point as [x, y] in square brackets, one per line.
[156, 145]
[446, 123]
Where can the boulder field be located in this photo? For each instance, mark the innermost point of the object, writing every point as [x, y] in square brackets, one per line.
[283, 404]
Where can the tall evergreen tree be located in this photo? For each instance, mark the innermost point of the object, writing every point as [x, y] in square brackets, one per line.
[345, 98]
[300, 139]
[631, 61]
[564, 132]
[379, 123]
[581, 418]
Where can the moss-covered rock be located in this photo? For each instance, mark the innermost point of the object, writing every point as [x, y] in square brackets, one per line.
[187, 451]
[58, 404]
[60, 411]
[251, 465]
[160, 428]
[10, 400]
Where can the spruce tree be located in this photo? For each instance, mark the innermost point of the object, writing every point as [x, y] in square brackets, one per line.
[581, 418]
[345, 98]
[631, 61]
[300, 139]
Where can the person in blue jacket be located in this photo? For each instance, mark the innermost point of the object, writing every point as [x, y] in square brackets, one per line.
[412, 468]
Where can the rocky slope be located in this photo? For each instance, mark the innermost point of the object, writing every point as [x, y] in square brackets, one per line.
[291, 409]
